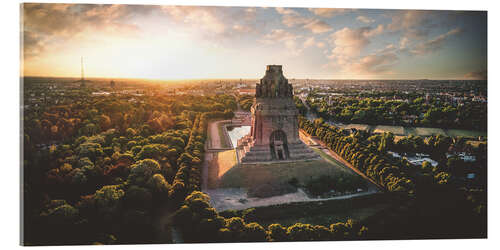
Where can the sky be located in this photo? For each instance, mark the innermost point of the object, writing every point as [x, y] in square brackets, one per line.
[190, 42]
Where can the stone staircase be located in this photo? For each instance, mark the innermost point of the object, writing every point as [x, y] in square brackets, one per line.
[249, 152]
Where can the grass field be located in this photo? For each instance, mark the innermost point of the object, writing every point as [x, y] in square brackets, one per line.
[465, 133]
[396, 130]
[252, 175]
[328, 158]
[429, 131]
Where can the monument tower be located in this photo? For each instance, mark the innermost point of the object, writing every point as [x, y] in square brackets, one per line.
[274, 135]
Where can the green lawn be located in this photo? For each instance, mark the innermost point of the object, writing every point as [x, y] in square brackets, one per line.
[253, 175]
[429, 131]
[465, 133]
[328, 158]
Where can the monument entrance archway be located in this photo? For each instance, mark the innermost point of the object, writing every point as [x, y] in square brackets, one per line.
[278, 145]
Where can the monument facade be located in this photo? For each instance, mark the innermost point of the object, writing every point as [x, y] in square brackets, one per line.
[274, 134]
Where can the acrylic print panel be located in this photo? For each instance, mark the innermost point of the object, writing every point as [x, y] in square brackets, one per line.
[179, 124]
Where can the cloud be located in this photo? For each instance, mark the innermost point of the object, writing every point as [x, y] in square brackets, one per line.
[33, 44]
[68, 19]
[292, 18]
[318, 26]
[278, 35]
[374, 63]
[350, 42]
[216, 24]
[243, 28]
[435, 44]
[414, 24]
[365, 19]
[250, 14]
[327, 13]
[215, 21]
[48, 25]
[477, 75]
[286, 11]
[292, 47]
[404, 42]
[203, 17]
[287, 38]
[381, 61]
[311, 41]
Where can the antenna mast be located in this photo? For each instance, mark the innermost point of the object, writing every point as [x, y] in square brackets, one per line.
[82, 80]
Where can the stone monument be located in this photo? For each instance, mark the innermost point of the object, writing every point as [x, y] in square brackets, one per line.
[274, 135]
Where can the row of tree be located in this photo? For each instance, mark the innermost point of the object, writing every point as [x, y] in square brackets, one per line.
[365, 156]
[199, 222]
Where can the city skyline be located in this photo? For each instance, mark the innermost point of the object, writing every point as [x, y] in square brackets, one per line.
[190, 42]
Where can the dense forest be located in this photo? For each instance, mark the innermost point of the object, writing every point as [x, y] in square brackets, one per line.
[97, 167]
[245, 102]
[402, 109]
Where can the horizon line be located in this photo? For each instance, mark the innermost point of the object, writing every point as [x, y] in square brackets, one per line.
[224, 78]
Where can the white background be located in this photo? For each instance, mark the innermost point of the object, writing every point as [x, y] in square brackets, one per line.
[10, 120]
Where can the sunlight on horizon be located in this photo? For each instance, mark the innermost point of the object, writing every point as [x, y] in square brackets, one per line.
[181, 42]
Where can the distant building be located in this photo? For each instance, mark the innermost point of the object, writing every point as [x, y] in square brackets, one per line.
[246, 91]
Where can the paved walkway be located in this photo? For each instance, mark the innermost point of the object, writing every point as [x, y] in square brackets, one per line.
[215, 137]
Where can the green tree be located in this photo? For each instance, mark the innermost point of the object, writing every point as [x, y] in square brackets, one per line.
[277, 232]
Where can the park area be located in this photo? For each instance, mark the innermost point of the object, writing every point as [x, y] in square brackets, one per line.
[234, 186]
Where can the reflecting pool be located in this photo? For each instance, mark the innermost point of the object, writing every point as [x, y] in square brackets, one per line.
[235, 133]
